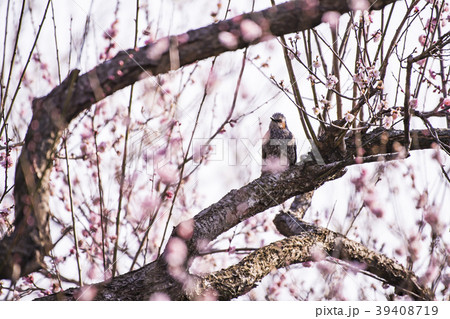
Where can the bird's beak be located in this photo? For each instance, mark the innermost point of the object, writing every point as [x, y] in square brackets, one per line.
[272, 118]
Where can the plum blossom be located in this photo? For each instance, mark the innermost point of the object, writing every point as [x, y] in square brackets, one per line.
[388, 121]
[376, 36]
[176, 252]
[228, 40]
[155, 51]
[395, 114]
[383, 105]
[311, 77]
[360, 79]
[159, 296]
[332, 18]
[331, 81]
[446, 102]
[148, 207]
[250, 31]
[326, 104]
[317, 253]
[422, 39]
[367, 17]
[168, 174]
[86, 293]
[373, 73]
[5, 161]
[316, 63]
[356, 5]
[413, 103]
[421, 62]
[433, 219]
[275, 165]
[186, 229]
[349, 117]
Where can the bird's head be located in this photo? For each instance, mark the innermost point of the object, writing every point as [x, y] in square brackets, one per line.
[278, 121]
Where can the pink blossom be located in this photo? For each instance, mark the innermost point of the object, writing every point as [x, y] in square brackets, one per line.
[331, 81]
[228, 40]
[413, 103]
[373, 73]
[312, 78]
[326, 267]
[316, 63]
[326, 104]
[387, 122]
[376, 36]
[446, 101]
[317, 253]
[332, 18]
[394, 114]
[155, 51]
[169, 194]
[421, 62]
[176, 252]
[86, 293]
[359, 79]
[349, 117]
[201, 152]
[93, 272]
[359, 5]
[431, 24]
[159, 296]
[186, 229]
[250, 31]
[360, 181]
[414, 246]
[183, 38]
[168, 174]
[148, 207]
[383, 105]
[274, 165]
[101, 147]
[367, 17]
[6, 161]
[433, 219]
[431, 273]
[422, 39]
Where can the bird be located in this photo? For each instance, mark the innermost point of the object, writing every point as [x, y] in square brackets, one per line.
[279, 149]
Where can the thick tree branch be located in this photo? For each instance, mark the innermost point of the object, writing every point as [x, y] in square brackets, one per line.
[338, 246]
[238, 279]
[23, 251]
[382, 141]
[238, 205]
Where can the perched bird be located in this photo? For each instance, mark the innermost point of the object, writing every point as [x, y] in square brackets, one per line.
[279, 150]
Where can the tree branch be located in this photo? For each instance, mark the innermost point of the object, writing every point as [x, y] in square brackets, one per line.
[340, 247]
[23, 251]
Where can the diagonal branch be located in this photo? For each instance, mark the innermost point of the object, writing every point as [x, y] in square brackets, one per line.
[23, 252]
[340, 247]
[301, 247]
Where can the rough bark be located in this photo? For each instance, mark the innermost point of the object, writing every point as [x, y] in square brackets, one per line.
[23, 251]
[338, 246]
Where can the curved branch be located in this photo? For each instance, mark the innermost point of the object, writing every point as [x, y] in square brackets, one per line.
[23, 252]
[300, 247]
